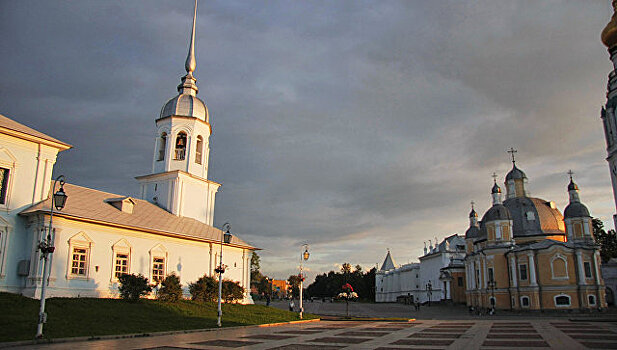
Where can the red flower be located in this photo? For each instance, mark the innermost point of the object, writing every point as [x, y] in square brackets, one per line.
[347, 287]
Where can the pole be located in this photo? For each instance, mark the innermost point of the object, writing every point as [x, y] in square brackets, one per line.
[220, 310]
[45, 247]
[301, 306]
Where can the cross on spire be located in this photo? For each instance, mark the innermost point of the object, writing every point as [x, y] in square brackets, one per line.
[472, 203]
[570, 172]
[512, 151]
[494, 176]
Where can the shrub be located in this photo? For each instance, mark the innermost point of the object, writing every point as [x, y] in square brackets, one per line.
[171, 289]
[231, 291]
[132, 287]
[204, 289]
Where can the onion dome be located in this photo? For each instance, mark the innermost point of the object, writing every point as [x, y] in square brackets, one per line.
[576, 210]
[186, 103]
[472, 232]
[496, 188]
[572, 186]
[473, 214]
[609, 34]
[515, 174]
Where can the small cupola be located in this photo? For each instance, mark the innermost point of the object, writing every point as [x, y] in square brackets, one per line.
[496, 191]
[515, 180]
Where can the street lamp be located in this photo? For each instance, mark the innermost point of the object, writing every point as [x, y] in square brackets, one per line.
[46, 246]
[429, 291]
[221, 268]
[303, 257]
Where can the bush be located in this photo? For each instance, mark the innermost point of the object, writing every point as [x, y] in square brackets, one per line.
[171, 289]
[132, 287]
[231, 291]
[204, 289]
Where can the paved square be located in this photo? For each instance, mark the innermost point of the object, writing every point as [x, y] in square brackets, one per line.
[482, 333]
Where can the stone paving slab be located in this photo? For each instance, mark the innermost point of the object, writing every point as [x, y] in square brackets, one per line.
[482, 334]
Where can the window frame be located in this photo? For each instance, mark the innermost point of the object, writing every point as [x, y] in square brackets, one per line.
[520, 272]
[79, 241]
[183, 148]
[121, 247]
[525, 297]
[565, 262]
[589, 299]
[162, 150]
[586, 269]
[560, 296]
[199, 146]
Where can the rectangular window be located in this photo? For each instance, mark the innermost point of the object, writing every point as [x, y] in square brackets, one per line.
[523, 271]
[122, 265]
[460, 281]
[158, 269]
[491, 276]
[79, 266]
[4, 182]
[587, 266]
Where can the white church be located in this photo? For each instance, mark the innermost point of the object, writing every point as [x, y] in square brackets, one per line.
[99, 235]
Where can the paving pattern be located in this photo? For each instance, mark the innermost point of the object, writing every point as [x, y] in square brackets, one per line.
[426, 334]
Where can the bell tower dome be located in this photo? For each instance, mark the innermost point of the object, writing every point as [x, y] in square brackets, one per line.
[179, 180]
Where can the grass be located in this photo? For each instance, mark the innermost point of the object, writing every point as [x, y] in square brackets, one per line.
[73, 317]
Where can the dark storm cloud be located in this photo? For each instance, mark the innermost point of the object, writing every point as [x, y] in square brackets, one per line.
[352, 125]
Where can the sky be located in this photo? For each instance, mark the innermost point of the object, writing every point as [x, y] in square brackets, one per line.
[353, 126]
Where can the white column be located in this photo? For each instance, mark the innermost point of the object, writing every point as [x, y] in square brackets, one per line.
[473, 274]
[513, 271]
[448, 289]
[484, 273]
[468, 282]
[596, 257]
[581, 271]
[532, 270]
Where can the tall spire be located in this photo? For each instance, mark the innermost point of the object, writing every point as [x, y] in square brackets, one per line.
[190, 59]
[189, 85]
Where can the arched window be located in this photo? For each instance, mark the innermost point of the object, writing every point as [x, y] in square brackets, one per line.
[180, 153]
[592, 300]
[199, 149]
[525, 301]
[162, 146]
[559, 267]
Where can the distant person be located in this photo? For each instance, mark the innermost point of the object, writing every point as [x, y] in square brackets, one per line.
[291, 304]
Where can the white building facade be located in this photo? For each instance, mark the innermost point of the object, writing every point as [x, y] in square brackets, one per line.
[99, 235]
[419, 281]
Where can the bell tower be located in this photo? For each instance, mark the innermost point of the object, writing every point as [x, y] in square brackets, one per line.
[179, 179]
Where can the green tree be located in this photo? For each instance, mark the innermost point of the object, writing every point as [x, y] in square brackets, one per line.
[346, 268]
[171, 289]
[132, 287]
[606, 240]
[294, 285]
[256, 275]
[231, 291]
[204, 289]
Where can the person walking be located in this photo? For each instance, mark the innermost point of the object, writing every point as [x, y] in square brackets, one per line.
[291, 304]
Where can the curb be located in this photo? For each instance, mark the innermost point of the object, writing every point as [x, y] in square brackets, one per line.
[139, 335]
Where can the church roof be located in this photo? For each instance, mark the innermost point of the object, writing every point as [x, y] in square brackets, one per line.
[8, 125]
[388, 263]
[496, 212]
[472, 232]
[545, 218]
[90, 205]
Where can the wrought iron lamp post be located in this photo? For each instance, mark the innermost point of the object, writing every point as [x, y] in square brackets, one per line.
[221, 268]
[46, 246]
[429, 292]
[303, 257]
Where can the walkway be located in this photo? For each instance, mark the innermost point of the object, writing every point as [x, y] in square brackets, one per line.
[427, 334]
